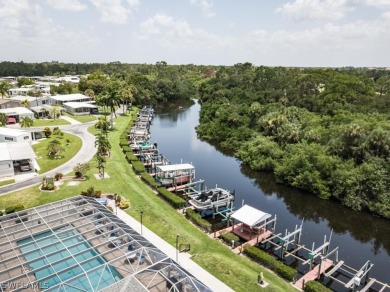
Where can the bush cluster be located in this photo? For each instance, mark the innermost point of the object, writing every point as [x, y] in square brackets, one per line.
[124, 204]
[138, 166]
[146, 177]
[14, 208]
[198, 220]
[90, 192]
[314, 286]
[270, 262]
[131, 157]
[174, 200]
[228, 237]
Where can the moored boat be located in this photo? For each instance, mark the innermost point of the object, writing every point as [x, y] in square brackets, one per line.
[212, 199]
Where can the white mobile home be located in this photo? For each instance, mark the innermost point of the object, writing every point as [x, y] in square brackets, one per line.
[12, 155]
[76, 97]
[80, 108]
[14, 135]
[17, 113]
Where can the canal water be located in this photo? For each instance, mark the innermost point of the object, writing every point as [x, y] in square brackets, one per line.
[359, 236]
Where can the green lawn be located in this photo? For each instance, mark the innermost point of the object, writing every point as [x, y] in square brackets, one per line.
[47, 163]
[49, 122]
[6, 182]
[236, 271]
[82, 119]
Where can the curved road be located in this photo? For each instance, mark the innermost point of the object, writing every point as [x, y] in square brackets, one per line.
[85, 154]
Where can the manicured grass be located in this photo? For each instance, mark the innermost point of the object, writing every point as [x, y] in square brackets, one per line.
[49, 123]
[47, 163]
[236, 271]
[82, 119]
[6, 182]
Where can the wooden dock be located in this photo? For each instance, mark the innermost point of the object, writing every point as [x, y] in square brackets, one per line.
[313, 274]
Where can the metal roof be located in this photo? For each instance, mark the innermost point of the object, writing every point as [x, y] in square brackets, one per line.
[174, 167]
[250, 216]
[77, 244]
[16, 151]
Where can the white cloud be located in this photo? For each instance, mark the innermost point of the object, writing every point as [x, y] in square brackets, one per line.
[315, 9]
[205, 5]
[113, 11]
[133, 3]
[72, 5]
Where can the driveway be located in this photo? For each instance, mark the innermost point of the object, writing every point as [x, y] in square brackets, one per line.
[85, 154]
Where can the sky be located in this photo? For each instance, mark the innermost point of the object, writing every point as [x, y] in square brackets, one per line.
[325, 33]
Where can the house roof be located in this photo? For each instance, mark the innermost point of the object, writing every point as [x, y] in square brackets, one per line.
[174, 167]
[69, 97]
[16, 111]
[16, 151]
[13, 132]
[79, 105]
[250, 216]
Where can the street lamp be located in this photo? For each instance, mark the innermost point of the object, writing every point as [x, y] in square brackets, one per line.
[177, 247]
[142, 212]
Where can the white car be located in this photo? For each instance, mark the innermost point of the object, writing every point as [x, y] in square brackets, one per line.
[24, 165]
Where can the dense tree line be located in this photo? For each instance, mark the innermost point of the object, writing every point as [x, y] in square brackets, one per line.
[325, 131]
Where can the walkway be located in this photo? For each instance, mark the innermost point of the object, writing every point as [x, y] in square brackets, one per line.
[183, 258]
[314, 273]
[70, 120]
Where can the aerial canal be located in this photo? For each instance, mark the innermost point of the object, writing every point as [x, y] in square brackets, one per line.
[359, 236]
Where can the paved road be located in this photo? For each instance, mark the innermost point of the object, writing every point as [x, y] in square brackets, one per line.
[85, 154]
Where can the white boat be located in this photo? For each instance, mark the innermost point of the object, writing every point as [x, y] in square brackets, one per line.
[212, 199]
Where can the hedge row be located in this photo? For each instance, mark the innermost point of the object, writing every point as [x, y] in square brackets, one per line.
[146, 177]
[198, 220]
[270, 262]
[228, 237]
[138, 166]
[131, 157]
[174, 200]
[13, 209]
[314, 286]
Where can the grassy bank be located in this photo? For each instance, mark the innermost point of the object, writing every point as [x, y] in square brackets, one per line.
[82, 119]
[50, 123]
[236, 271]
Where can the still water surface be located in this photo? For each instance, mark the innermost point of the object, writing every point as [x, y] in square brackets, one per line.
[360, 237]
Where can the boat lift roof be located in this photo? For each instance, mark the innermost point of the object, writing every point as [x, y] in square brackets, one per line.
[174, 167]
[250, 216]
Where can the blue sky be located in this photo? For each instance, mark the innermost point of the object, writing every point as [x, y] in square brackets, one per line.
[210, 32]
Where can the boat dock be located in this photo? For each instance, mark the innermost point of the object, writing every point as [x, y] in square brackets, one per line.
[313, 274]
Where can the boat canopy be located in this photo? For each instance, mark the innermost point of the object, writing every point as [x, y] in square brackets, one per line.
[250, 216]
[174, 167]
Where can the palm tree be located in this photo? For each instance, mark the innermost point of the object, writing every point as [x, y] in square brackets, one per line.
[55, 111]
[26, 122]
[44, 112]
[25, 103]
[127, 92]
[54, 148]
[3, 119]
[102, 144]
[4, 86]
[112, 100]
[102, 123]
[90, 93]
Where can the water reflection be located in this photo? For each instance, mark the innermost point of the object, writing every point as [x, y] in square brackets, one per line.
[360, 237]
[363, 227]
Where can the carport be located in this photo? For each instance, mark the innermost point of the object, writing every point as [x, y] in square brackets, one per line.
[10, 156]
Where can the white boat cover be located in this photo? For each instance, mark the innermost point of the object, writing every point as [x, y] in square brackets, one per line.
[174, 167]
[250, 216]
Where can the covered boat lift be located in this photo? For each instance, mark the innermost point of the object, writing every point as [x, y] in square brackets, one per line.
[175, 174]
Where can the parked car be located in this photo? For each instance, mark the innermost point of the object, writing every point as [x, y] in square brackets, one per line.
[24, 165]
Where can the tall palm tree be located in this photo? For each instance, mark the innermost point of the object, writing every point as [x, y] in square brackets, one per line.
[102, 144]
[127, 92]
[113, 100]
[25, 103]
[4, 86]
[26, 122]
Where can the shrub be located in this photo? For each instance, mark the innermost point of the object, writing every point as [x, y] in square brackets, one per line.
[58, 176]
[57, 131]
[228, 237]
[146, 177]
[81, 169]
[131, 157]
[90, 192]
[174, 200]
[1, 213]
[138, 166]
[314, 286]
[123, 142]
[47, 132]
[270, 262]
[124, 204]
[126, 148]
[14, 208]
[198, 220]
[48, 187]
